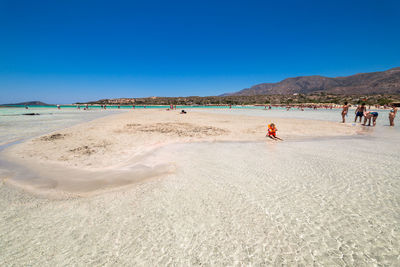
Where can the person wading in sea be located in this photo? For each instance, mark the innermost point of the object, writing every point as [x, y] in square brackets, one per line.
[368, 116]
[360, 112]
[392, 115]
[344, 111]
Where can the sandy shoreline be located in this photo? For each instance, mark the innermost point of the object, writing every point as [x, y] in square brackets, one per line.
[211, 190]
[104, 152]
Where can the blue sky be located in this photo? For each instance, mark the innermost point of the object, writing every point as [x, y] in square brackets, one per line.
[68, 51]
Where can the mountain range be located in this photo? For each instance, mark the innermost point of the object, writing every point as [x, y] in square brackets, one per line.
[382, 82]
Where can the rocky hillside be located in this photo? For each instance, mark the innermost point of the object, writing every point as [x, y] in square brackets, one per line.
[383, 82]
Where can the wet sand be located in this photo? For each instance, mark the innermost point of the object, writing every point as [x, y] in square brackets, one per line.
[222, 196]
[118, 149]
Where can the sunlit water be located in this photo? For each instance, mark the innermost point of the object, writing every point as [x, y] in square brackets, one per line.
[315, 202]
[16, 126]
[310, 114]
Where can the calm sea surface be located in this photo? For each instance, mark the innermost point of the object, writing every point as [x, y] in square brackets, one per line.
[15, 126]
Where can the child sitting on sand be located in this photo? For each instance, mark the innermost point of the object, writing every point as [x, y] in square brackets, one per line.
[272, 131]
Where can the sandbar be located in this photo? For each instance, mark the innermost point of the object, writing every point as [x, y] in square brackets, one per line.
[117, 150]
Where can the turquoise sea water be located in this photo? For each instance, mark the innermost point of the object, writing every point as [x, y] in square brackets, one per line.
[135, 106]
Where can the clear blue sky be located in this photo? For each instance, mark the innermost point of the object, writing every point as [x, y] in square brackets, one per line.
[67, 51]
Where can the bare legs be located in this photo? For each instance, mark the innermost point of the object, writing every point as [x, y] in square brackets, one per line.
[370, 117]
[355, 120]
[365, 120]
[391, 119]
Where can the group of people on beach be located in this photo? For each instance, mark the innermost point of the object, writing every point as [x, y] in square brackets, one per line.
[361, 111]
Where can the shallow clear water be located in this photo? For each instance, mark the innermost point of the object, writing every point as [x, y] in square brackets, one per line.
[310, 114]
[16, 126]
[316, 202]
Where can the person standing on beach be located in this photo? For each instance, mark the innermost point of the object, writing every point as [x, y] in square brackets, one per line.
[360, 112]
[344, 112]
[392, 115]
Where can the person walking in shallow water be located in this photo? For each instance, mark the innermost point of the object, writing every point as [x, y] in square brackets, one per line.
[392, 115]
[360, 112]
[344, 111]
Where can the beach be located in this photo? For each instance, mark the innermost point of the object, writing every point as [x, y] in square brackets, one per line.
[123, 142]
[155, 187]
[223, 133]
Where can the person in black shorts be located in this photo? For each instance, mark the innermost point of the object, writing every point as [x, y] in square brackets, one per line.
[360, 112]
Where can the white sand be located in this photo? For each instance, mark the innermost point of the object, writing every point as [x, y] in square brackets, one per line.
[315, 202]
[84, 157]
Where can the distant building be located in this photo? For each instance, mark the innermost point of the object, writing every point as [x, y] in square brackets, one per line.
[121, 101]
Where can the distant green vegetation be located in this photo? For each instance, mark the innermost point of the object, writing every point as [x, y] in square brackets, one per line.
[254, 100]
